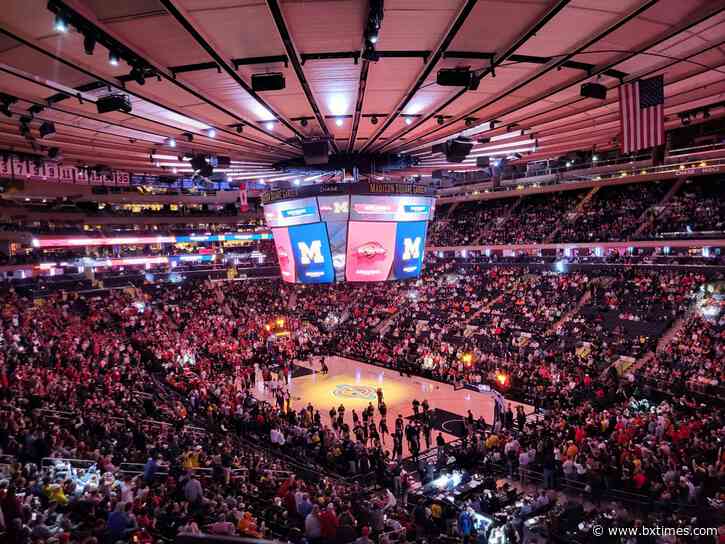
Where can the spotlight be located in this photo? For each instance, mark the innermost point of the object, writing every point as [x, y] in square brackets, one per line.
[440, 120]
[297, 182]
[470, 121]
[211, 132]
[374, 120]
[174, 170]
[171, 142]
[24, 128]
[408, 120]
[61, 24]
[338, 121]
[269, 125]
[47, 128]
[113, 58]
[370, 54]
[303, 122]
[595, 158]
[89, 43]
[137, 74]
[373, 38]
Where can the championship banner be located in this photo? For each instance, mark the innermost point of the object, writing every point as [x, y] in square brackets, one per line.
[243, 203]
[13, 167]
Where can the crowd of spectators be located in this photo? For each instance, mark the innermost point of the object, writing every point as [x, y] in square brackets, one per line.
[610, 213]
[613, 213]
[155, 387]
[698, 209]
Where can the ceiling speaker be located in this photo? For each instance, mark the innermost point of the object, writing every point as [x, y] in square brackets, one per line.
[267, 82]
[594, 90]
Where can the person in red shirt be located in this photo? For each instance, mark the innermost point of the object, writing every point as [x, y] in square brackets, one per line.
[328, 523]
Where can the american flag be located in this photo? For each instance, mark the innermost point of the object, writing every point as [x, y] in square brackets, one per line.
[642, 114]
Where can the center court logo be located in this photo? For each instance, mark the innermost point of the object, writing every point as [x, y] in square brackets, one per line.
[347, 391]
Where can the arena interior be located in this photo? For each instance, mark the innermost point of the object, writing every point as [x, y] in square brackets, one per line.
[362, 271]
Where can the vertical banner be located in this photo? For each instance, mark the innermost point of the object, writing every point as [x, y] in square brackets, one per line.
[67, 174]
[243, 203]
[15, 167]
[82, 176]
[6, 168]
[122, 178]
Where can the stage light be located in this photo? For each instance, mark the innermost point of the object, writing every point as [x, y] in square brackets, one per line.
[370, 54]
[113, 58]
[568, 164]
[89, 43]
[171, 142]
[61, 24]
[595, 158]
[408, 120]
[338, 121]
[296, 182]
[174, 170]
[502, 379]
[211, 133]
[47, 129]
[137, 74]
[374, 120]
[269, 125]
[373, 38]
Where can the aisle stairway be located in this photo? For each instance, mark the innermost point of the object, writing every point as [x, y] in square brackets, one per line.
[484, 308]
[648, 219]
[574, 214]
[582, 301]
[503, 219]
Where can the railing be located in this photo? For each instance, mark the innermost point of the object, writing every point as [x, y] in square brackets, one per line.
[685, 167]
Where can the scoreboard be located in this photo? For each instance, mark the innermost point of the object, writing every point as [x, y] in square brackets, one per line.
[350, 233]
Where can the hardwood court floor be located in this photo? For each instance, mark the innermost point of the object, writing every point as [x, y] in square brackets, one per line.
[353, 384]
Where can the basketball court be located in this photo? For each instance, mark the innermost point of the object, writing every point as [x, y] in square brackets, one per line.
[354, 384]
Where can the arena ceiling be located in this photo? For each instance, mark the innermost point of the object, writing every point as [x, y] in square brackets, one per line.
[196, 59]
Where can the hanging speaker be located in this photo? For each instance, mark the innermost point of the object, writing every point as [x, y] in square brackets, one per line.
[593, 90]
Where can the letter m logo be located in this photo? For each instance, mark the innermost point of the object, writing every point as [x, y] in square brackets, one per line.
[411, 248]
[311, 253]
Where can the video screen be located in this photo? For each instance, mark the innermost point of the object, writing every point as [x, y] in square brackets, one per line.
[292, 212]
[353, 238]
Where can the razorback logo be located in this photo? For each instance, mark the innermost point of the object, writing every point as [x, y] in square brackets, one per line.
[370, 250]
